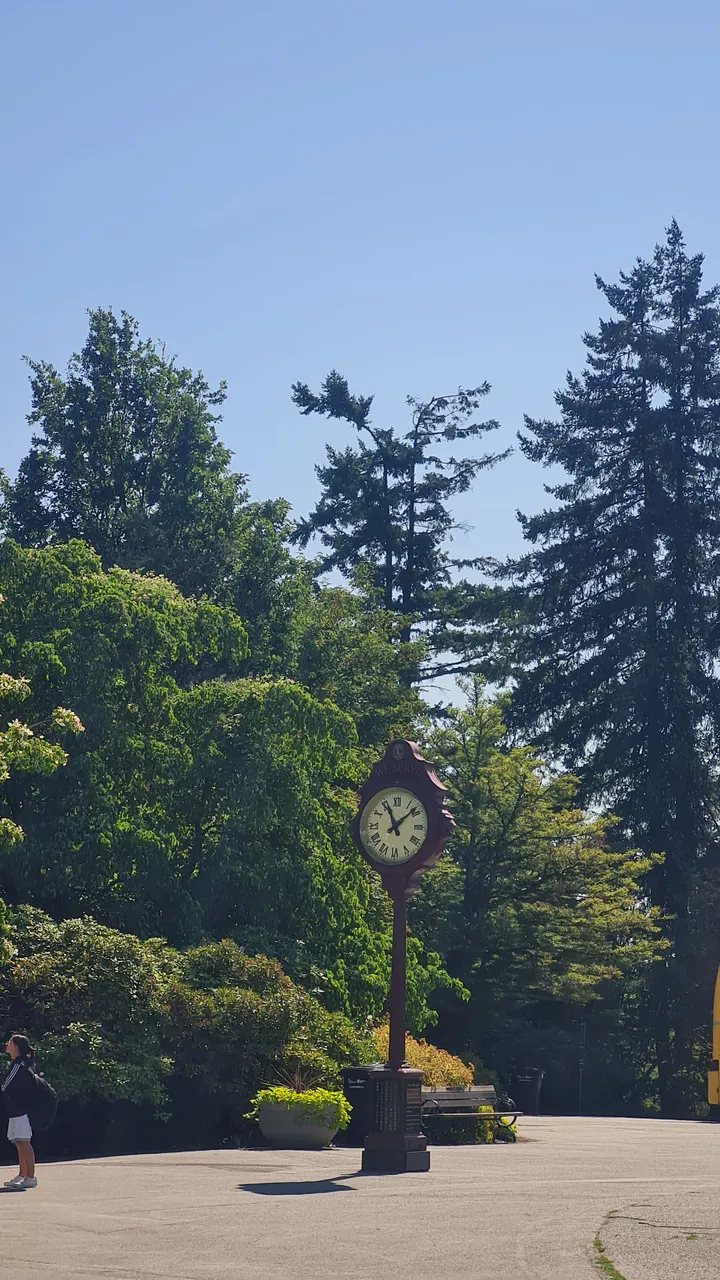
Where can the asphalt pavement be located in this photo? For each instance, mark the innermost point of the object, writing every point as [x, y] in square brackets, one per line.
[648, 1189]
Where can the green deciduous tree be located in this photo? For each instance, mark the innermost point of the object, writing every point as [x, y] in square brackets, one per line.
[385, 505]
[118, 647]
[532, 907]
[339, 645]
[348, 653]
[126, 458]
[269, 588]
[198, 804]
[22, 749]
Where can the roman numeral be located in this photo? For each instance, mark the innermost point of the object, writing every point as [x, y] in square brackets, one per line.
[397, 801]
[374, 826]
[418, 826]
[383, 848]
[414, 840]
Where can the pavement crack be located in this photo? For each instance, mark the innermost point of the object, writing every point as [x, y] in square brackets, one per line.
[99, 1270]
[663, 1226]
[603, 1263]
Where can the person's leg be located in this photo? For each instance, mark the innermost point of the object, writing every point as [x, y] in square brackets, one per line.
[29, 1160]
[21, 1148]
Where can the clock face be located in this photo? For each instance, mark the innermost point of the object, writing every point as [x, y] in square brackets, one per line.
[393, 826]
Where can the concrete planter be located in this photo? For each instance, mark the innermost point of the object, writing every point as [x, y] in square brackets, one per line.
[285, 1126]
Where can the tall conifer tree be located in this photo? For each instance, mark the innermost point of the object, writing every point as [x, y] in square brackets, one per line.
[620, 640]
[385, 505]
[126, 456]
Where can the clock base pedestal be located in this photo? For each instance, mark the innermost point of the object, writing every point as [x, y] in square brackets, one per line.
[396, 1142]
[395, 1161]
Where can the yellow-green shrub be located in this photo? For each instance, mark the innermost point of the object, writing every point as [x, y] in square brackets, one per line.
[441, 1070]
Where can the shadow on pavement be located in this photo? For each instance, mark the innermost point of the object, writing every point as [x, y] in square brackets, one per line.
[320, 1187]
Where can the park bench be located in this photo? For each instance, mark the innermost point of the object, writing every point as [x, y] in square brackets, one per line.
[462, 1104]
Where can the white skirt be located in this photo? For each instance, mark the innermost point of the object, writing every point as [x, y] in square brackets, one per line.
[19, 1129]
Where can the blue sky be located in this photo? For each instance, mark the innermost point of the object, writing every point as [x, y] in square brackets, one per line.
[417, 194]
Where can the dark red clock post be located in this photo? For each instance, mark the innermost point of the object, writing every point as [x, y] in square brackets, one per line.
[402, 788]
[398, 980]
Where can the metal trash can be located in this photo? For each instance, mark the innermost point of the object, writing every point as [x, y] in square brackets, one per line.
[525, 1086]
[359, 1091]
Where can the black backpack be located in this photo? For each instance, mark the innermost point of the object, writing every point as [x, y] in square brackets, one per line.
[44, 1103]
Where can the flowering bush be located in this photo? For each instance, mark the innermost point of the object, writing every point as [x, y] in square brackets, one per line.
[63, 719]
[21, 749]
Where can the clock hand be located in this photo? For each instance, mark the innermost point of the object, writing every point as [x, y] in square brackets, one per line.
[393, 824]
[410, 814]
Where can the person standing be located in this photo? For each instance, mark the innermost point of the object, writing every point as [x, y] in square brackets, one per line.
[18, 1090]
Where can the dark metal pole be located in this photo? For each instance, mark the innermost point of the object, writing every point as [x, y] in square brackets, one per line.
[396, 1053]
[581, 1072]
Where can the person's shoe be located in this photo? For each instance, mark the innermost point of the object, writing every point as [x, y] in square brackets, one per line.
[28, 1183]
[12, 1181]
[18, 1184]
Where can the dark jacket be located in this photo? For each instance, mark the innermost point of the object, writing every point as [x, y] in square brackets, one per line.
[18, 1089]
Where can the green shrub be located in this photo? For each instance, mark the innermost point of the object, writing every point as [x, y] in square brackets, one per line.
[92, 1000]
[504, 1131]
[150, 1046]
[224, 964]
[313, 1106]
[455, 1133]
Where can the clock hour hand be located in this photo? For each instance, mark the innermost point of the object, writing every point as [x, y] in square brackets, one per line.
[411, 813]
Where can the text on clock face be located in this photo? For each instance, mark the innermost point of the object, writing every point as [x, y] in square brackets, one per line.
[394, 825]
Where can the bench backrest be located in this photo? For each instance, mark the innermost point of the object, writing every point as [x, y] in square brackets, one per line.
[480, 1095]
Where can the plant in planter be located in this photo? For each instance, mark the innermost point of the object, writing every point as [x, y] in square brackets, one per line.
[309, 1118]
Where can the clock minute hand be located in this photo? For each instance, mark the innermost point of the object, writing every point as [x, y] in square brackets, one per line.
[394, 826]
